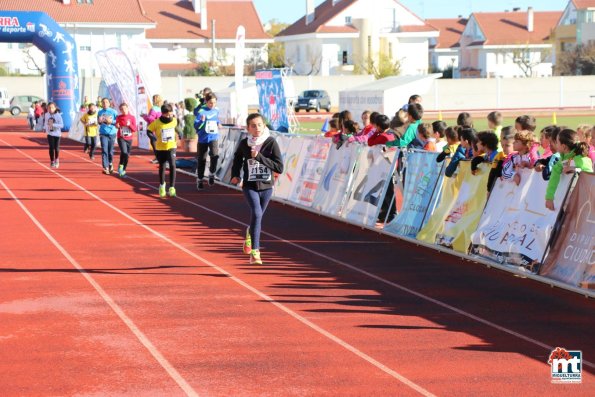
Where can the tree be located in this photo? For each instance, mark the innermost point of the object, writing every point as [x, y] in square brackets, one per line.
[276, 51]
[380, 66]
[579, 61]
[30, 60]
[527, 59]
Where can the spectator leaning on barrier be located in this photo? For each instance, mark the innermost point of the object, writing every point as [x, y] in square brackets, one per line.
[546, 163]
[365, 133]
[524, 157]
[415, 114]
[452, 143]
[487, 143]
[465, 120]
[589, 139]
[381, 137]
[573, 156]
[464, 150]
[439, 128]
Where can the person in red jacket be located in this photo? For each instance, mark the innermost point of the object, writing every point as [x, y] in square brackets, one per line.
[382, 135]
[126, 125]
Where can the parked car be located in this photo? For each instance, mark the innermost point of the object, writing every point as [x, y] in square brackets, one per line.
[4, 103]
[21, 103]
[313, 100]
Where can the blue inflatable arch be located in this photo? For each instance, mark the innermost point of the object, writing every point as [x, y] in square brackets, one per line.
[60, 55]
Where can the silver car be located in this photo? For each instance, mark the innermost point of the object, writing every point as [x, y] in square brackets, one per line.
[21, 103]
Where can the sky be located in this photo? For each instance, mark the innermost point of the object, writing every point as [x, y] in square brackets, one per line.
[289, 11]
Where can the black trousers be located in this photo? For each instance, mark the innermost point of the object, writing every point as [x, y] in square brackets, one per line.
[201, 158]
[167, 156]
[54, 142]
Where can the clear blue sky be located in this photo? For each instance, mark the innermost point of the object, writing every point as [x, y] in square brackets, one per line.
[290, 11]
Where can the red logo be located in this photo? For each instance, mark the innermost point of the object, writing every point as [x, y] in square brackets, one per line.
[9, 21]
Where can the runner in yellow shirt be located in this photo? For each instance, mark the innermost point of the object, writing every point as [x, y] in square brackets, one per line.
[162, 132]
[89, 120]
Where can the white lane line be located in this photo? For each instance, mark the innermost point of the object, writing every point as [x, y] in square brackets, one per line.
[371, 275]
[173, 373]
[239, 281]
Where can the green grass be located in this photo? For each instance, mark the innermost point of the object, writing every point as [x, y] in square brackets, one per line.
[480, 124]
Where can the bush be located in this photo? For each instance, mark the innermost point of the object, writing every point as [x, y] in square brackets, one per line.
[189, 132]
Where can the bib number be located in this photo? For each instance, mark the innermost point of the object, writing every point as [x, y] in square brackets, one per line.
[92, 122]
[167, 135]
[126, 133]
[258, 172]
[211, 127]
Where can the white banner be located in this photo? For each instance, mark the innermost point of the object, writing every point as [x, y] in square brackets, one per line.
[310, 170]
[291, 150]
[229, 138]
[358, 101]
[374, 167]
[516, 226]
[337, 175]
[77, 129]
[240, 109]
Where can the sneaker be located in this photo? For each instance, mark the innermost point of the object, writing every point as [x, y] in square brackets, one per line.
[255, 257]
[92, 157]
[154, 161]
[111, 168]
[172, 192]
[248, 243]
[57, 163]
[211, 180]
[200, 184]
[106, 171]
[52, 164]
[121, 171]
[162, 190]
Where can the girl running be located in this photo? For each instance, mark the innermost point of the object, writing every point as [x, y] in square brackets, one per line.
[126, 124]
[163, 132]
[89, 120]
[259, 157]
[207, 126]
[53, 127]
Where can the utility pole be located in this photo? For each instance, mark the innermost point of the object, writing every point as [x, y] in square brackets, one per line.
[213, 49]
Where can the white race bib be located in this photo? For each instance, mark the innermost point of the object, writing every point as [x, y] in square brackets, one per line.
[92, 122]
[167, 134]
[211, 127]
[258, 172]
[126, 133]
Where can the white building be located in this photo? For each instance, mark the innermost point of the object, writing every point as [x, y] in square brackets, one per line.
[508, 44]
[339, 36]
[444, 49]
[575, 27]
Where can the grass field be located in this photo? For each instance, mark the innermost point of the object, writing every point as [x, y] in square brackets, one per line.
[482, 124]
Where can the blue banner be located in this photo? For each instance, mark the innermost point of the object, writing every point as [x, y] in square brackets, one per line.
[60, 56]
[423, 177]
[271, 98]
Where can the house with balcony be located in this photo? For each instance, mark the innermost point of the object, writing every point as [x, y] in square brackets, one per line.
[575, 27]
[444, 49]
[508, 44]
[342, 36]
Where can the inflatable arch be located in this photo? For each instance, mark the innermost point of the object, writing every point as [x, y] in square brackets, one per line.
[60, 56]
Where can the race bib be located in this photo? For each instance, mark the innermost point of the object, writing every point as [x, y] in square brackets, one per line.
[126, 133]
[167, 134]
[258, 172]
[92, 122]
[212, 127]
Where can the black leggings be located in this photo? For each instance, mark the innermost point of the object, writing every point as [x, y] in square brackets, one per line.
[167, 156]
[125, 147]
[90, 143]
[213, 149]
[54, 142]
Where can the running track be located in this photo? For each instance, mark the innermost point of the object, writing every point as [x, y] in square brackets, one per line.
[106, 289]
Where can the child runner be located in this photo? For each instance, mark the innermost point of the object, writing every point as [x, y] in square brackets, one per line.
[89, 120]
[153, 115]
[207, 126]
[573, 155]
[53, 127]
[259, 157]
[107, 135]
[126, 124]
[163, 132]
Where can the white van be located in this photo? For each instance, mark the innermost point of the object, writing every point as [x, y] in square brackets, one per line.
[4, 100]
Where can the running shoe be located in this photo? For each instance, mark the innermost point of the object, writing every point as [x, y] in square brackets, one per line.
[172, 191]
[154, 161]
[255, 257]
[200, 184]
[162, 190]
[106, 171]
[92, 157]
[248, 243]
[57, 163]
[121, 171]
[52, 164]
[211, 180]
[111, 168]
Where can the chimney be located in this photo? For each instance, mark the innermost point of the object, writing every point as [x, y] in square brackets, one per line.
[200, 6]
[530, 19]
[310, 11]
[66, 2]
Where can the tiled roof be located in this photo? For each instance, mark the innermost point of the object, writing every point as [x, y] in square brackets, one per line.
[582, 4]
[417, 28]
[509, 28]
[450, 29]
[177, 66]
[176, 19]
[100, 11]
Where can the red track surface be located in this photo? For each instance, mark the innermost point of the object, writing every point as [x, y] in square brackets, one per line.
[163, 302]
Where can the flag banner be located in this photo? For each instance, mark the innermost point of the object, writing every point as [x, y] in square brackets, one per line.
[571, 258]
[435, 223]
[229, 139]
[515, 226]
[291, 151]
[271, 98]
[423, 176]
[370, 180]
[464, 216]
[77, 129]
[336, 177]
[310, 170]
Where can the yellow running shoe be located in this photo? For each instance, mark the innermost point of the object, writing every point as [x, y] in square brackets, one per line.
[172, 191]
[248, 243]
[162, 190]
[255, 257]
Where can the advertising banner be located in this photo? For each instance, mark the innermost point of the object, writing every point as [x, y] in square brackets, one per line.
[359, 100]
[515, 226]
[370, 181]
[291, 150]
[571, 258]
[229, 138]
[272, 100]
[423, 176]
[310, 169]
[336, 177]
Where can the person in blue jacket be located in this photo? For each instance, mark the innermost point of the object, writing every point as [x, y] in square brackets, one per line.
[206, 124]
[107, 134]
